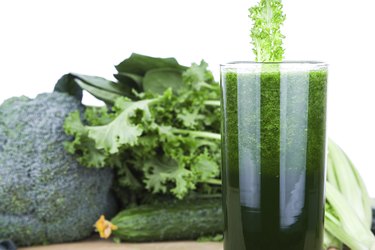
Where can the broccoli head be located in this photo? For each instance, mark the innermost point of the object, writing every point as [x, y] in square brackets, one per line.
[45, 195]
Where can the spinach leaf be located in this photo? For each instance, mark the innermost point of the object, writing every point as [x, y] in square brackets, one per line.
[102, 83]
[67, 84]
[99, 87]
[139, 64]
[157, 81]
[104, 95]
[129, 80]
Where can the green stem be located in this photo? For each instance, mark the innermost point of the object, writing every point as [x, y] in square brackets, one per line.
[213, 181]
[206, 85]
[212, 103]
[205, 196]
[201, 134]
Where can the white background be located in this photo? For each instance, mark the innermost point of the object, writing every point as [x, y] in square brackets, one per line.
[42, 40]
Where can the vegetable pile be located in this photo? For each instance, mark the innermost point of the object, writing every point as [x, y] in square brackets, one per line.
[158, 134]
[169, 143]
[161, 136]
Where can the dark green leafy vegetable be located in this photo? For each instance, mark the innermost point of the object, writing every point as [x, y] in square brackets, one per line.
[66, 84]
[99, 87]
[139, 64]
[159, 80]
[158, 141]
[104, 95]
[139, 71]
[136, 74]
[130, 80]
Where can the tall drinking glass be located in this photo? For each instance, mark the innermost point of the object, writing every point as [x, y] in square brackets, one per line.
[273, 155]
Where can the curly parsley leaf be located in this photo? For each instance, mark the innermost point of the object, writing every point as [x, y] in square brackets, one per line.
[266, 35]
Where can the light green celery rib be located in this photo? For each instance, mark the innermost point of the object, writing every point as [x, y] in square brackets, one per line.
[366, 200]
[345, 178]
[330, 241]
[345, 224]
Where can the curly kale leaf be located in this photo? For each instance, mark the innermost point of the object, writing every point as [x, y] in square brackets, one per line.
[159, 172]
[158, 143]
[121, 131]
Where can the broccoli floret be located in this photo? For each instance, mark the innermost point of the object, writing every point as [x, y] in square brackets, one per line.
[45, 195]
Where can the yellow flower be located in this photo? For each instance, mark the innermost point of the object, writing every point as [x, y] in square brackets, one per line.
[104, 227]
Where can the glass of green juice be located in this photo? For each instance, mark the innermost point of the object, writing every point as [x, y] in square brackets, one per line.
[273, 154]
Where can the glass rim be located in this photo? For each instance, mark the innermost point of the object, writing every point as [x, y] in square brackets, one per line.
[291, 62]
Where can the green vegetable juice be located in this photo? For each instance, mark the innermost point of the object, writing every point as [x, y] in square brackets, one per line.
[273, 155]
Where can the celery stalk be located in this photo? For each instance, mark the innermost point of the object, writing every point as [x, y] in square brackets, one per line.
[348, 215]
[348, 183]
[343, 222]
[331, 241]
[366, 201]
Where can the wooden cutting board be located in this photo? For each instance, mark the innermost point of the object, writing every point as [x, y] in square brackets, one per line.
[109, 245]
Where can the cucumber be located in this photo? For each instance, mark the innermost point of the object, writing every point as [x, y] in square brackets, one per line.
[178, 220]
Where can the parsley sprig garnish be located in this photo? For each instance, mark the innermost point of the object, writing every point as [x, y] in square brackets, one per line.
[266, 34]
